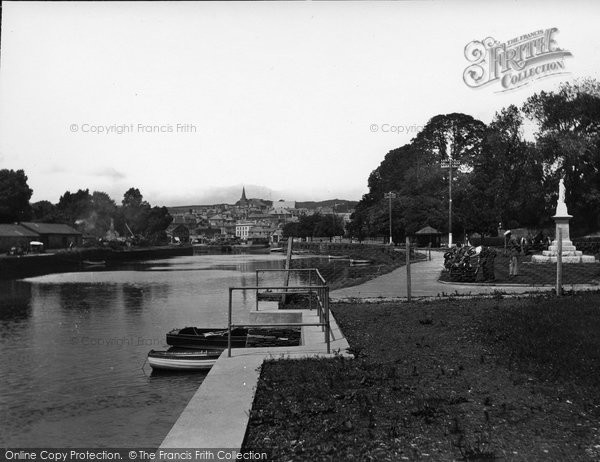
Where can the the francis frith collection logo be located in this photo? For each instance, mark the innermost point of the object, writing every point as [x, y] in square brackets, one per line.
[516, 62]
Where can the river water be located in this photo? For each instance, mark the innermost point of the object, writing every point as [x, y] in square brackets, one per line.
[72, 347]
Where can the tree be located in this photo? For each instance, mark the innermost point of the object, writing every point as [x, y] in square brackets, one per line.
[414, 173]
[135, 211]
[14, 196]
[157, 221]
[315, 225]
[103, 210]
[506, 183]
[74, 206]
[568, 140]
[291, 229]
[45, 212]
[144, 220]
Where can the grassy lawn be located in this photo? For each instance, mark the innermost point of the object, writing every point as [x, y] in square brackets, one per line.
[482, 379]
[339, 273]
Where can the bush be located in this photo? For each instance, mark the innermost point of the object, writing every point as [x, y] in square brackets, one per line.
[465, 265]
[589, 246]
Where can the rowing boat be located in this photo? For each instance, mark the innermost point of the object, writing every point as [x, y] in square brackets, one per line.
[187, 360]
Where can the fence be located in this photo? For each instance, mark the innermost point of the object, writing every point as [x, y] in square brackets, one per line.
[460, 270]
[558, 266]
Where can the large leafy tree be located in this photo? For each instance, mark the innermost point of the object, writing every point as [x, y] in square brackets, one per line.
[506, 183]
[414, 173]
[142, 219]
[45, 212]
[104, 211]
[74, 207]
[135, 211]
[14, 196]
[568, 141]
[315, 225]
[157, 221]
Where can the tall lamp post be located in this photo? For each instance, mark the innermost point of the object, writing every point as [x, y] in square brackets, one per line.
[390, 195]
[450, 164]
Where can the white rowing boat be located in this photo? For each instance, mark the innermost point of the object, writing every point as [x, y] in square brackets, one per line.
[183, 360]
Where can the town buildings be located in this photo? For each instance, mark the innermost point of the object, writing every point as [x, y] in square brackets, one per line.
[248, 220]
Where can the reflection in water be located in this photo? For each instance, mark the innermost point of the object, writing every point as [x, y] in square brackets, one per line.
[14, 301]
[72, 346]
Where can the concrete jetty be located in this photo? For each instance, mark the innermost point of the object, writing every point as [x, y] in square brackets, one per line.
[218, 413]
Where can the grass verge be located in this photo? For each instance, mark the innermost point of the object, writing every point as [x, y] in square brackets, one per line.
[340, 274]
[483, 379]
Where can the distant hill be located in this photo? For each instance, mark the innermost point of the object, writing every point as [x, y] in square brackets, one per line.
[341, 205]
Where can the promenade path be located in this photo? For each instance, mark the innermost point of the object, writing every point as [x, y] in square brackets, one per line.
[424, 283]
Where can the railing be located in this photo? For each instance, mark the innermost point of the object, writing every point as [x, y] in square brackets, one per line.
[311, 271]
[322, 292]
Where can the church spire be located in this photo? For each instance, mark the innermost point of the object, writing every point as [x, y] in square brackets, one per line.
[243, 202]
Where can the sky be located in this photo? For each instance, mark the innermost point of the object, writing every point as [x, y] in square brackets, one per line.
[188, 102]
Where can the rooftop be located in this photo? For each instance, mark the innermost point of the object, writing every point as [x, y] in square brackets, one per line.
[50, 228]
[7, 230]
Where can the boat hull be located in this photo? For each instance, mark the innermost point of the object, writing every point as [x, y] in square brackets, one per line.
[360, 262]
[182, 360]
[201, 338]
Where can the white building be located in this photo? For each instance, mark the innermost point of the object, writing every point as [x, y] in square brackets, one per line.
[249, 230]
[281, 204]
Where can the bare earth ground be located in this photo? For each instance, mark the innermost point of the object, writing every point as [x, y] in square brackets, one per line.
[483, 379]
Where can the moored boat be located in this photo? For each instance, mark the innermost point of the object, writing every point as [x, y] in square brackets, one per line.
[203, 338]
[359, 262]
[90, 263]
[187, 360]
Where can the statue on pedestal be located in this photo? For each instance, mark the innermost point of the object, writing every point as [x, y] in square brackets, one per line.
[568, 252]
[561, 206]
[561, 190]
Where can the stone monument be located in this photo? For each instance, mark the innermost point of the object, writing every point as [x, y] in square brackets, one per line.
[569, 253]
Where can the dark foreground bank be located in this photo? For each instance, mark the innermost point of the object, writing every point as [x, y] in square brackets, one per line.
[485, 379]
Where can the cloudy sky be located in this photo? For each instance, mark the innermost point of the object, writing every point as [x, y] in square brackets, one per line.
[296, 100]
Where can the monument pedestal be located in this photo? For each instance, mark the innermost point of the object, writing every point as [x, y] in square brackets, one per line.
[569, 253]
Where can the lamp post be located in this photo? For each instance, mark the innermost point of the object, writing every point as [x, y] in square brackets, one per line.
[450, 164]
[390, 195]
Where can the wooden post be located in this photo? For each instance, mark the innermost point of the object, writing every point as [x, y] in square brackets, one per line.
[229, 323]
[408, 269]
[256, 290]
[559, 275]
[288, 264]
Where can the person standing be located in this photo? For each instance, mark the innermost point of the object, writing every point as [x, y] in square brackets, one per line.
[514, 249]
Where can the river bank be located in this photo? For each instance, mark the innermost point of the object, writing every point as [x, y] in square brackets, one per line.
[13, 267]
[339, 272]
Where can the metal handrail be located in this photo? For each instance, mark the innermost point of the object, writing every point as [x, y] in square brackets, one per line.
[310, 273]
[322, 311]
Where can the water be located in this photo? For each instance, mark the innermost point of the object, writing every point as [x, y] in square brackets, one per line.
[72, 346]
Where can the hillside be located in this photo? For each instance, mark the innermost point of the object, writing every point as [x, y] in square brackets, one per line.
[341, 205]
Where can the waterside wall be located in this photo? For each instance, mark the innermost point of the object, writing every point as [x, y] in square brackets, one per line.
[13, 267]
